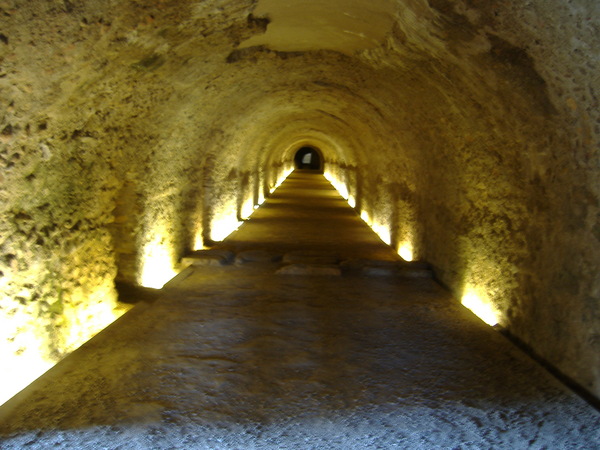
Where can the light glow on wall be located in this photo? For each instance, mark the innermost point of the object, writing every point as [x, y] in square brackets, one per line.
[339, 185]
[156, 264]
[198, 237]
[198, 240]
[405, 250]
[383, 232]
[481, 306]
[28, 349]
[87, 314]
[364, 215]
[260, 200]
[351, 201]
[343, 191]
[247, 208]
[380, 229]
[280, 179]
[21, 354]
[225, 224]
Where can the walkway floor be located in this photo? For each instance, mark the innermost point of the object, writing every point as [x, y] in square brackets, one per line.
[306, 212]
[251, 355]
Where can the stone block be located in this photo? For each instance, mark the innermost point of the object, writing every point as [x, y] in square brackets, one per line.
[256, 256]
[208, 258]
[310, 270]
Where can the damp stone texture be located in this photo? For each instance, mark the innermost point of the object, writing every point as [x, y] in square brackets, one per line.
[466, 133]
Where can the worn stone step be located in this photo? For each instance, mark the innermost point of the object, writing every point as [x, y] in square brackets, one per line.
[310, 270]
[250, 256]
[211, 257]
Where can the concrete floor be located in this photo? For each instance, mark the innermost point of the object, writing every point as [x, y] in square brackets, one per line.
[247, 355]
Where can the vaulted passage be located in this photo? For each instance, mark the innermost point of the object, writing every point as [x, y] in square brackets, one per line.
[308, 158]
[307, 214]
[464, 133]
[299, 337]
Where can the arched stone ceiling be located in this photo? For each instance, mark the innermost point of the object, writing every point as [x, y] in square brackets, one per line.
[340, 25]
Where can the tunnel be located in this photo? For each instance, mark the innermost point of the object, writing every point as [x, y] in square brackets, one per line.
[466, 134]
[308, 158]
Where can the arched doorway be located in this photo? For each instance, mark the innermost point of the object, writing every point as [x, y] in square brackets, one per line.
[308, 158]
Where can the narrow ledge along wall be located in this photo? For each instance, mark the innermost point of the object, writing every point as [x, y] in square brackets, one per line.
[467, 136]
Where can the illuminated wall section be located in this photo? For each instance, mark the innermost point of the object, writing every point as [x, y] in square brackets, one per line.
[158, 249]
[248, 206]
[259, 189]
[230, 203]
[282, 174]
[486, 284]
[337, 178]
[224, 220]
[23, 347]
[225, 212]
[51, 304]
[407, 230]
[157, 258]
[382, 213]
[197, 235]
[477, 300]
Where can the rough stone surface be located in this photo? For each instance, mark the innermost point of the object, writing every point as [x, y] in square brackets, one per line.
[310, 269]
[208, 258]
[134, 132]
[232, 357]
[257, 256]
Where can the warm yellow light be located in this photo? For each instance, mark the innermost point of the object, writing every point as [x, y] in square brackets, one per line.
[406, 251]
[21, 351]
[247, 208]
[20, 373]
[352, 201]
[280, 180]
[88, 316]
[24, 350]
[342, 190]
[198, 241]
[156, 264]
[383, 232]
[480, 307]
[338, 185]
[364, 215]
[261, 198]
[223, 227]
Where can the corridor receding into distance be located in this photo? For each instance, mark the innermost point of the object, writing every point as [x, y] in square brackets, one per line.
[301, 330]
[245, 223]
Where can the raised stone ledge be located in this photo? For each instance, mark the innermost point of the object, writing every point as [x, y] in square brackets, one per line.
[250, 256]
[310, 270]
[208, 258]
